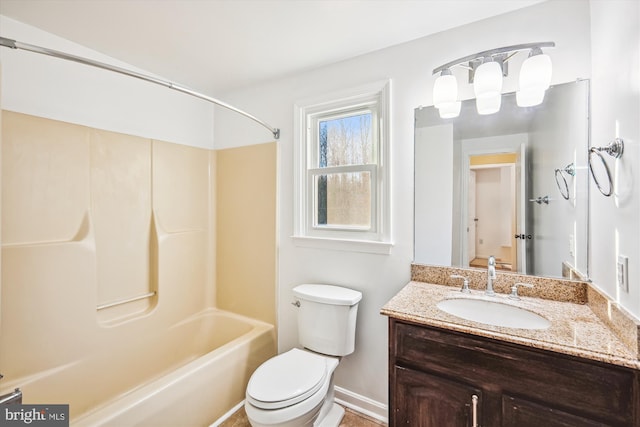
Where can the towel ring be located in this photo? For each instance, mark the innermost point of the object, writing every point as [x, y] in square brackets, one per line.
[563, 186]
[604, 183]
[614, 149]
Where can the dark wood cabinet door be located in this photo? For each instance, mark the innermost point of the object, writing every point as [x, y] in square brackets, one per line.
[518, 412]
[434, 373]
[424, 400]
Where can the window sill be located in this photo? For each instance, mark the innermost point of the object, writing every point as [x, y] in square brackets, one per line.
[366, 246]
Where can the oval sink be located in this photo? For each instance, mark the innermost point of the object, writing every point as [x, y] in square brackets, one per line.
[493, 313]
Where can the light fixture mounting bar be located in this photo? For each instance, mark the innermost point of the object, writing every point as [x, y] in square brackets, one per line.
[13, 44]
[492, 52]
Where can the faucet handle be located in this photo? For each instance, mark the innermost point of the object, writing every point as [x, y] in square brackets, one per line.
[514, 290]
[465, 283]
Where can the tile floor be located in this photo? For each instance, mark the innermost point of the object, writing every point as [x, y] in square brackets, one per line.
[351, 419]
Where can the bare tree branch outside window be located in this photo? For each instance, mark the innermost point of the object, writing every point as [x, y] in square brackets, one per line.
[345, 198]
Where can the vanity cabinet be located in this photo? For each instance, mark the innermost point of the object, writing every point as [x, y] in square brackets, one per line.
[429, 400]
[434, 374]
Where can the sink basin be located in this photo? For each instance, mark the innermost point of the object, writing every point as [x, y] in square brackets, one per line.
[493, 313]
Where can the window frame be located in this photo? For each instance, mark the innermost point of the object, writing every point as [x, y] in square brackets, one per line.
[376, 238]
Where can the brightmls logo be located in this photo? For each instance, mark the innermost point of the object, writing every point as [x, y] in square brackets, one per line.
[34, 415]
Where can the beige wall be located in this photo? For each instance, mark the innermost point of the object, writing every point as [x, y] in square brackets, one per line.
[246, 230]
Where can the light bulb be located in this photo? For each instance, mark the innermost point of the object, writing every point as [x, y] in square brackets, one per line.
[488, 104]
[450, 110]
[529, 97]
[535, 73]
[445, 89]
[487, 80]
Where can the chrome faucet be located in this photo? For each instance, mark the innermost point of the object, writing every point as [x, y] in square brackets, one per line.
[491, 275]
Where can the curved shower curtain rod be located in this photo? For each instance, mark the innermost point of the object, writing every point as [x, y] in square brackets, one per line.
[13, 44]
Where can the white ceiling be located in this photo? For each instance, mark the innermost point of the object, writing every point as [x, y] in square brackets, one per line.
[219, 45]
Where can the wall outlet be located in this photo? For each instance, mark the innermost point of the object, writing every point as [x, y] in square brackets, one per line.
[622, 270]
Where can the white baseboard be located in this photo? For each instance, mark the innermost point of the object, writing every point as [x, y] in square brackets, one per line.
[349, 399]
[362, 404]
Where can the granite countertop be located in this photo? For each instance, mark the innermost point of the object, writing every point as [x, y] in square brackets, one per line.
[575, 329]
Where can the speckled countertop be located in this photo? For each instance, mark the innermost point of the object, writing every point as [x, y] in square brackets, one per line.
[574, 330]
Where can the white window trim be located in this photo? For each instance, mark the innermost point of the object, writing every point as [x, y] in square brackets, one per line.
[378, 242]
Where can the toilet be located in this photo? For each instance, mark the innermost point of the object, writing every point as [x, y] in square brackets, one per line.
[295, 388]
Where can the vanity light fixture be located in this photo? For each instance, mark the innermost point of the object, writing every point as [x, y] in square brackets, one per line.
[486, 72]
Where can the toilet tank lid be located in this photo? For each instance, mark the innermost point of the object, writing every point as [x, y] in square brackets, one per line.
[327, 294]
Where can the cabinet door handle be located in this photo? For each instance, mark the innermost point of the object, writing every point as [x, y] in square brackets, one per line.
[474, 411]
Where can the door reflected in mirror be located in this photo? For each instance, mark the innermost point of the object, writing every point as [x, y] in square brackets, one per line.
[491, 210]
[488, 185]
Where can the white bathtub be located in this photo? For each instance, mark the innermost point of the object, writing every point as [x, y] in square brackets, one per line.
[188, 375]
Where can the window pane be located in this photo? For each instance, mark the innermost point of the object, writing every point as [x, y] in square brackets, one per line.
[343, 199]
[345, 141]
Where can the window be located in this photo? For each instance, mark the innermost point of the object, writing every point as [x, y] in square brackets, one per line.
[342, 169]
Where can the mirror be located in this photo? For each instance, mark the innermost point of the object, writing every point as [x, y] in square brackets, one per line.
[512, 184]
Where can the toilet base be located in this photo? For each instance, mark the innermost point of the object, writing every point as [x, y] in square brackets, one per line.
[319, 410]
[333, 418]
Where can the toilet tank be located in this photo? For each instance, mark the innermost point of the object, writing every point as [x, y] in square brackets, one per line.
[327, 318]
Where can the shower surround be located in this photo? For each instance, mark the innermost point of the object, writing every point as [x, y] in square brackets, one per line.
[108, 245]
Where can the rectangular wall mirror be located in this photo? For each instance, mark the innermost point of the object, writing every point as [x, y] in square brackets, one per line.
[513, 184]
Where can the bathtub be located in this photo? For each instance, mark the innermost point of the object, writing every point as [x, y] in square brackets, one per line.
[190, 374]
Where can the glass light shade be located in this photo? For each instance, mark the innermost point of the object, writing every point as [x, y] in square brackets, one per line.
[488, 104]
[536, 73]
[529, 97]
[487, 80]
[445, 90]
[450, 110]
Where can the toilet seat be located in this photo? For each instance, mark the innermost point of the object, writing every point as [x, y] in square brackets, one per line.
[287, 379]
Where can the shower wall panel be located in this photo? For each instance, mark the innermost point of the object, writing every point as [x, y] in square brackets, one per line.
[91, 217]
[246, 223]
[120, 185]
[46, 176]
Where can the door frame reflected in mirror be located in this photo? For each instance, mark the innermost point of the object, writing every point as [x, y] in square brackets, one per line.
[493, 197]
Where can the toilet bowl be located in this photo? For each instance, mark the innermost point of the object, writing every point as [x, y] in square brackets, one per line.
[291, 389]
[295, 389]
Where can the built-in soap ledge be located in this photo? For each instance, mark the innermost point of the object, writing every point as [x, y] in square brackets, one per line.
[623, 324]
